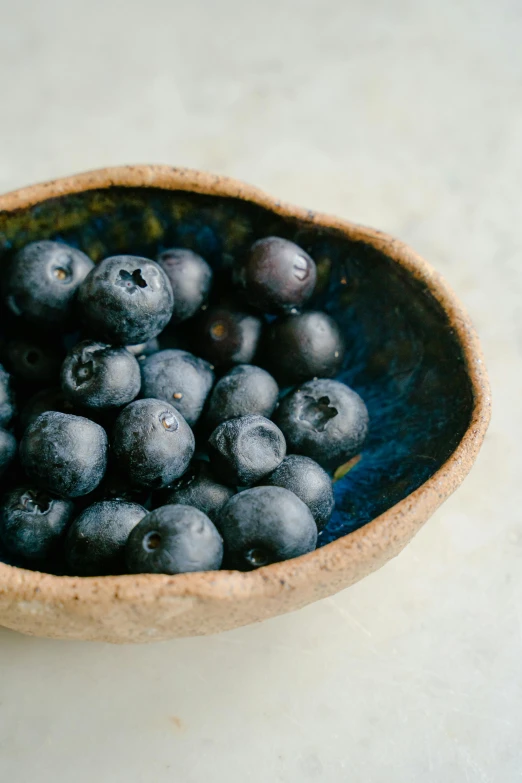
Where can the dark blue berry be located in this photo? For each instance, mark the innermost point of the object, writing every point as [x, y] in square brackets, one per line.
[32, 522]
[65, 454]
[180, 378]
[8, 446]
[225, 336]
[306, 479]
[126, 300]
[7, 404]
[264, 525]
[198, 487]
[174, 540]
[245, 389]
[190, 277]
[152, 442]
[300, 347]
[276, 275]
[95, 543]
[96, 375]
[33, 359]
[42, 281]
[324, 420]
[244, 450]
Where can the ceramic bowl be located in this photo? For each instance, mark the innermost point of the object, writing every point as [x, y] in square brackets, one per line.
[412, 355]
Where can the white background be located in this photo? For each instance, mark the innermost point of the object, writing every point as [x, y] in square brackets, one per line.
[399, 114]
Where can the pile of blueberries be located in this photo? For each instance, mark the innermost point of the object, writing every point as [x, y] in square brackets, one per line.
[122, 451]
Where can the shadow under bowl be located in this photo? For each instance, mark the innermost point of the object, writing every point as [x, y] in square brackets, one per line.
[412, 355]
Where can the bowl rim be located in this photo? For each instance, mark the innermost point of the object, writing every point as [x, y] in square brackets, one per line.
[367, 542]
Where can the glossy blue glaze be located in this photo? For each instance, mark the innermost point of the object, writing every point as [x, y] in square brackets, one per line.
[401, 354]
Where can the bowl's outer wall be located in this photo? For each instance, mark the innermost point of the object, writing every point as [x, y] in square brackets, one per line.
[411, 354]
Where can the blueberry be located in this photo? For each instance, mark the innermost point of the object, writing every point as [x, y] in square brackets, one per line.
[245, 389]
[179, 378]
[190, 277]
[197, 487]
[324, 420]
[264, 525]
[7, 404]
[8, 448]
[152, 442]
[144, 349]
[300, 347]
[244, 450]
[34, 360]
[65, 454]
[126, 300]
[42, 281]
[276, 275]
[306, 479]
[225, 336]
[52, 399]
[32, 522]
[96, 375]
[174, 540]
[95, 543]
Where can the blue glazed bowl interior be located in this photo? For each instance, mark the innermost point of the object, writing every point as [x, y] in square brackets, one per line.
[401, 357]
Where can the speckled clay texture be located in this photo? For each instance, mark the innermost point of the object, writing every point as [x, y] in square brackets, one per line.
[412, 354]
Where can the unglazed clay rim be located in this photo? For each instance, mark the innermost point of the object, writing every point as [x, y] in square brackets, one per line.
[391, 530]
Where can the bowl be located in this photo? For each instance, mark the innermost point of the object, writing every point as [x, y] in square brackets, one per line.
[412, 354]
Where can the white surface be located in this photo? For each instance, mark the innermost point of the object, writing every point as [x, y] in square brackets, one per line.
[399, 114]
